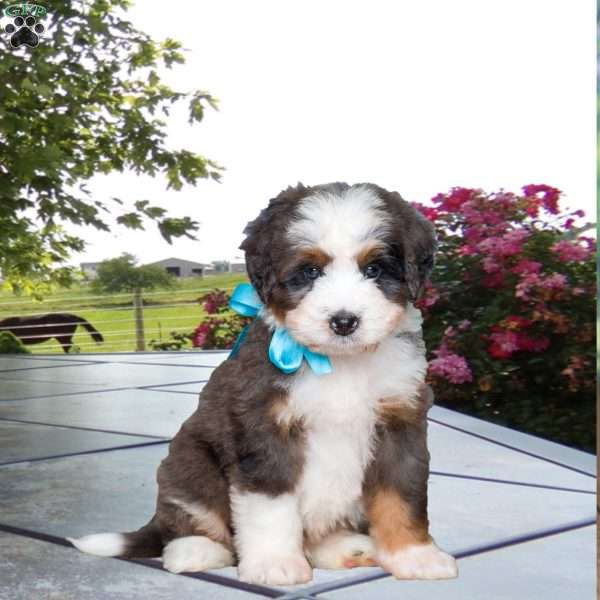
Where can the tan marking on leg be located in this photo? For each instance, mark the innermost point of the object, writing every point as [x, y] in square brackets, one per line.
[392, 525]
[288, 424]
[406, 409]
[205, 522]
[393, 409]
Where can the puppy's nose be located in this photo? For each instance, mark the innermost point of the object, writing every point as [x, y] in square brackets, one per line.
[343, 323]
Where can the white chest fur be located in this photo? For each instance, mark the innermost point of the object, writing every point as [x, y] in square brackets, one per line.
[339, 415]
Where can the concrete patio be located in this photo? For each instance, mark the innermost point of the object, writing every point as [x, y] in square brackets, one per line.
[81, 437]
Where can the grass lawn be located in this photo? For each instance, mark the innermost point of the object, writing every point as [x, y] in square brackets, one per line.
[113, 316]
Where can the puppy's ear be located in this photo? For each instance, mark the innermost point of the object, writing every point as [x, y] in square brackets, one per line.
[258, 256]
[419, 252]
[414, 242]
[265, 243]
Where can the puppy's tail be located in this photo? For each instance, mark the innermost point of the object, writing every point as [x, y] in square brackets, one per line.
[146, 542]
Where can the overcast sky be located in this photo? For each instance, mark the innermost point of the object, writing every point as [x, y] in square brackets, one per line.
[414, 96]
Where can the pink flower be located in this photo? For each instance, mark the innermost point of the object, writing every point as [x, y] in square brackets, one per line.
[453, 201]
[452, 367]
[556, 281]
[527, 266]
[528, 281]
[428, 212]
[201, 335]
[430, 297]
[508, 244]
[571, 220]
[571, 252]
[465, 324]
[214, 301]
[450, 332]
[504, 343]
[467, 250]
[530, 344]
[494, 280]
[548, 199]
[489, 265]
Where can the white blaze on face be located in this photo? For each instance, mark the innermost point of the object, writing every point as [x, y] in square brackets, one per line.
[342, 226]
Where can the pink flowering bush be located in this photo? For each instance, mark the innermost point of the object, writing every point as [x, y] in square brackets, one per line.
[510, 311]
[222, 327]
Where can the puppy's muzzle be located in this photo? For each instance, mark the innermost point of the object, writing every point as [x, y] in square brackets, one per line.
[343, 323]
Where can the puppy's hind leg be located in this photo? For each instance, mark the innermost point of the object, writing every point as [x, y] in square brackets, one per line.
[196, 553]
[342, 549]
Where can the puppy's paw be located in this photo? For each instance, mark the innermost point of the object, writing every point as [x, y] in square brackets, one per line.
[195, 553]
[423, 561]
[275, 570]
[342, 550]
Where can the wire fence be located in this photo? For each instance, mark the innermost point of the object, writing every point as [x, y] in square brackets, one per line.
[123, 322]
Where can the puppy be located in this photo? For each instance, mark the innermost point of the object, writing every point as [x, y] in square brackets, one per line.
[279, 473]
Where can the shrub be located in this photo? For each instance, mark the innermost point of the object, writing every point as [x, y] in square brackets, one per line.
[222, 328]
[509, 313]
[10, 344]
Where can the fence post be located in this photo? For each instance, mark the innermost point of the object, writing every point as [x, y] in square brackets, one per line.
[138, 308]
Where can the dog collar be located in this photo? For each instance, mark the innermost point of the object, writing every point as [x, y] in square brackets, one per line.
[284, 351]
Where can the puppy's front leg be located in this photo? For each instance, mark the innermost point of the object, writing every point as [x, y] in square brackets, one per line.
[396, 501]
[268, 535]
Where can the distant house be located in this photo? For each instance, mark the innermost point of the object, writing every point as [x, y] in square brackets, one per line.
[181, 268]
[90, 269]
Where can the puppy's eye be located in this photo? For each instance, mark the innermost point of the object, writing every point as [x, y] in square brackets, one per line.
[312, 272]
[372, 271]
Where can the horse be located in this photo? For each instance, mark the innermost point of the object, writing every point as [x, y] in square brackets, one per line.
[35, 329]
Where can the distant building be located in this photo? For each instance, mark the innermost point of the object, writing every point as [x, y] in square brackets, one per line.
[237, 267]
[181, 268]
[225, 266]
[89, 269]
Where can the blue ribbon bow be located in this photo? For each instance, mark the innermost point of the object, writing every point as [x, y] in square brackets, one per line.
[284, 351]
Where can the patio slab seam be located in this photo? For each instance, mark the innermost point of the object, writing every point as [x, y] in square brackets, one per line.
[82, 428]
[514, 448]
[65, 394]
[73, 364]
[157, 364]
[459, 555]
[163, 385]
[168, 391]
[52, 357]
[57, 356]
[85, 452]
[102, 391]
[510, 482]
[207, 577]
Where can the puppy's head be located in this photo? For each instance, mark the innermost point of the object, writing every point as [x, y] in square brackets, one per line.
[337, 265]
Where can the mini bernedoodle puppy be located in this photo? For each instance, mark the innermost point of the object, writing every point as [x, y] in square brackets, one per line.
[279, 473]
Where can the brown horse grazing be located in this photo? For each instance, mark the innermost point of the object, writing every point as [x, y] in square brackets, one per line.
[36, 329]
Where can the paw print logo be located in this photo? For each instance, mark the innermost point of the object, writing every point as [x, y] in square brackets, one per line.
[24, 31]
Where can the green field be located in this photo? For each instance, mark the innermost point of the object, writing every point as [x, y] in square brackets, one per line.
[113, 315]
